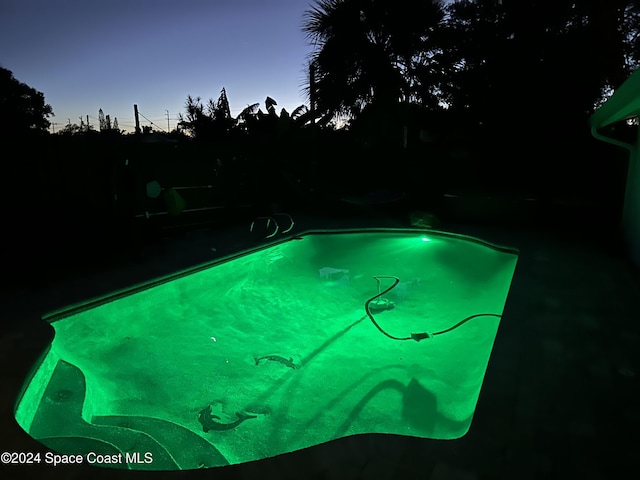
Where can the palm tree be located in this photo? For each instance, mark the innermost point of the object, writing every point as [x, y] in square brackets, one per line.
[368, 51]
[211, 122]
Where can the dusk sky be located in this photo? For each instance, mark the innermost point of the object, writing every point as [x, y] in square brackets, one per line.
[87, 55]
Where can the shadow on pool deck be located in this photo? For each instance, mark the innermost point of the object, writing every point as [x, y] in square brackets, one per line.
[560, 399]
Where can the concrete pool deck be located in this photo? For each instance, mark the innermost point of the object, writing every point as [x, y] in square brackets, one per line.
[561, 396]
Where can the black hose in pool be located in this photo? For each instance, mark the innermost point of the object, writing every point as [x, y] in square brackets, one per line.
[370, 315]
[414, 336]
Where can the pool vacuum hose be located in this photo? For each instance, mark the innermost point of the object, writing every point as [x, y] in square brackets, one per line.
[383, 305]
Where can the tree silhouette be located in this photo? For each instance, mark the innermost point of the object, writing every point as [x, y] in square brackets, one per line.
[552, 52]
[369, 51]
[631, 32]
[480, 58]
[530, 73]
[102, 122]
[105, 124]
[22, 108]
[214, 122]
[211, 123]
[70, 129]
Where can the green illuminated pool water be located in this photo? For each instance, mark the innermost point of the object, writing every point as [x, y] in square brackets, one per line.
[272, 351]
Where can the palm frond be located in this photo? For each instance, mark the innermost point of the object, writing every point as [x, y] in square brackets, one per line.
[269, 102]
[297, 112]
[248, 111]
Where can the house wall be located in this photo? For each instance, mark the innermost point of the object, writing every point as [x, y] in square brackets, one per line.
[631, 215]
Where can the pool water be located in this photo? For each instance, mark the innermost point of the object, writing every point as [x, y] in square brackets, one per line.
[272, 351]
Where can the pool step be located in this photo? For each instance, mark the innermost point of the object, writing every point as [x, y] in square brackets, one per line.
[58, 424]
[189, 450]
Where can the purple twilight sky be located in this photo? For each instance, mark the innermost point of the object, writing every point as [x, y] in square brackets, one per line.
[87, 55]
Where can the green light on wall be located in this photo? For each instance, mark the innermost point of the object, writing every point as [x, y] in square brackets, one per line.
[229, 363]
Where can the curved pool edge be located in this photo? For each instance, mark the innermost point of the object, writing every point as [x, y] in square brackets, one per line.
[14, 438]
[93, 302]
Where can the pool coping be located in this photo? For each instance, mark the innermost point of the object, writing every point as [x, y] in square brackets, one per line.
[94, 302]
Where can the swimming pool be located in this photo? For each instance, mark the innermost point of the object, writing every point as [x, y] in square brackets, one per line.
[286, 346]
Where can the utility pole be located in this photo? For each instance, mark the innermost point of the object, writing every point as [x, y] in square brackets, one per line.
[168, 128]
[135, 114]
[87, 123]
